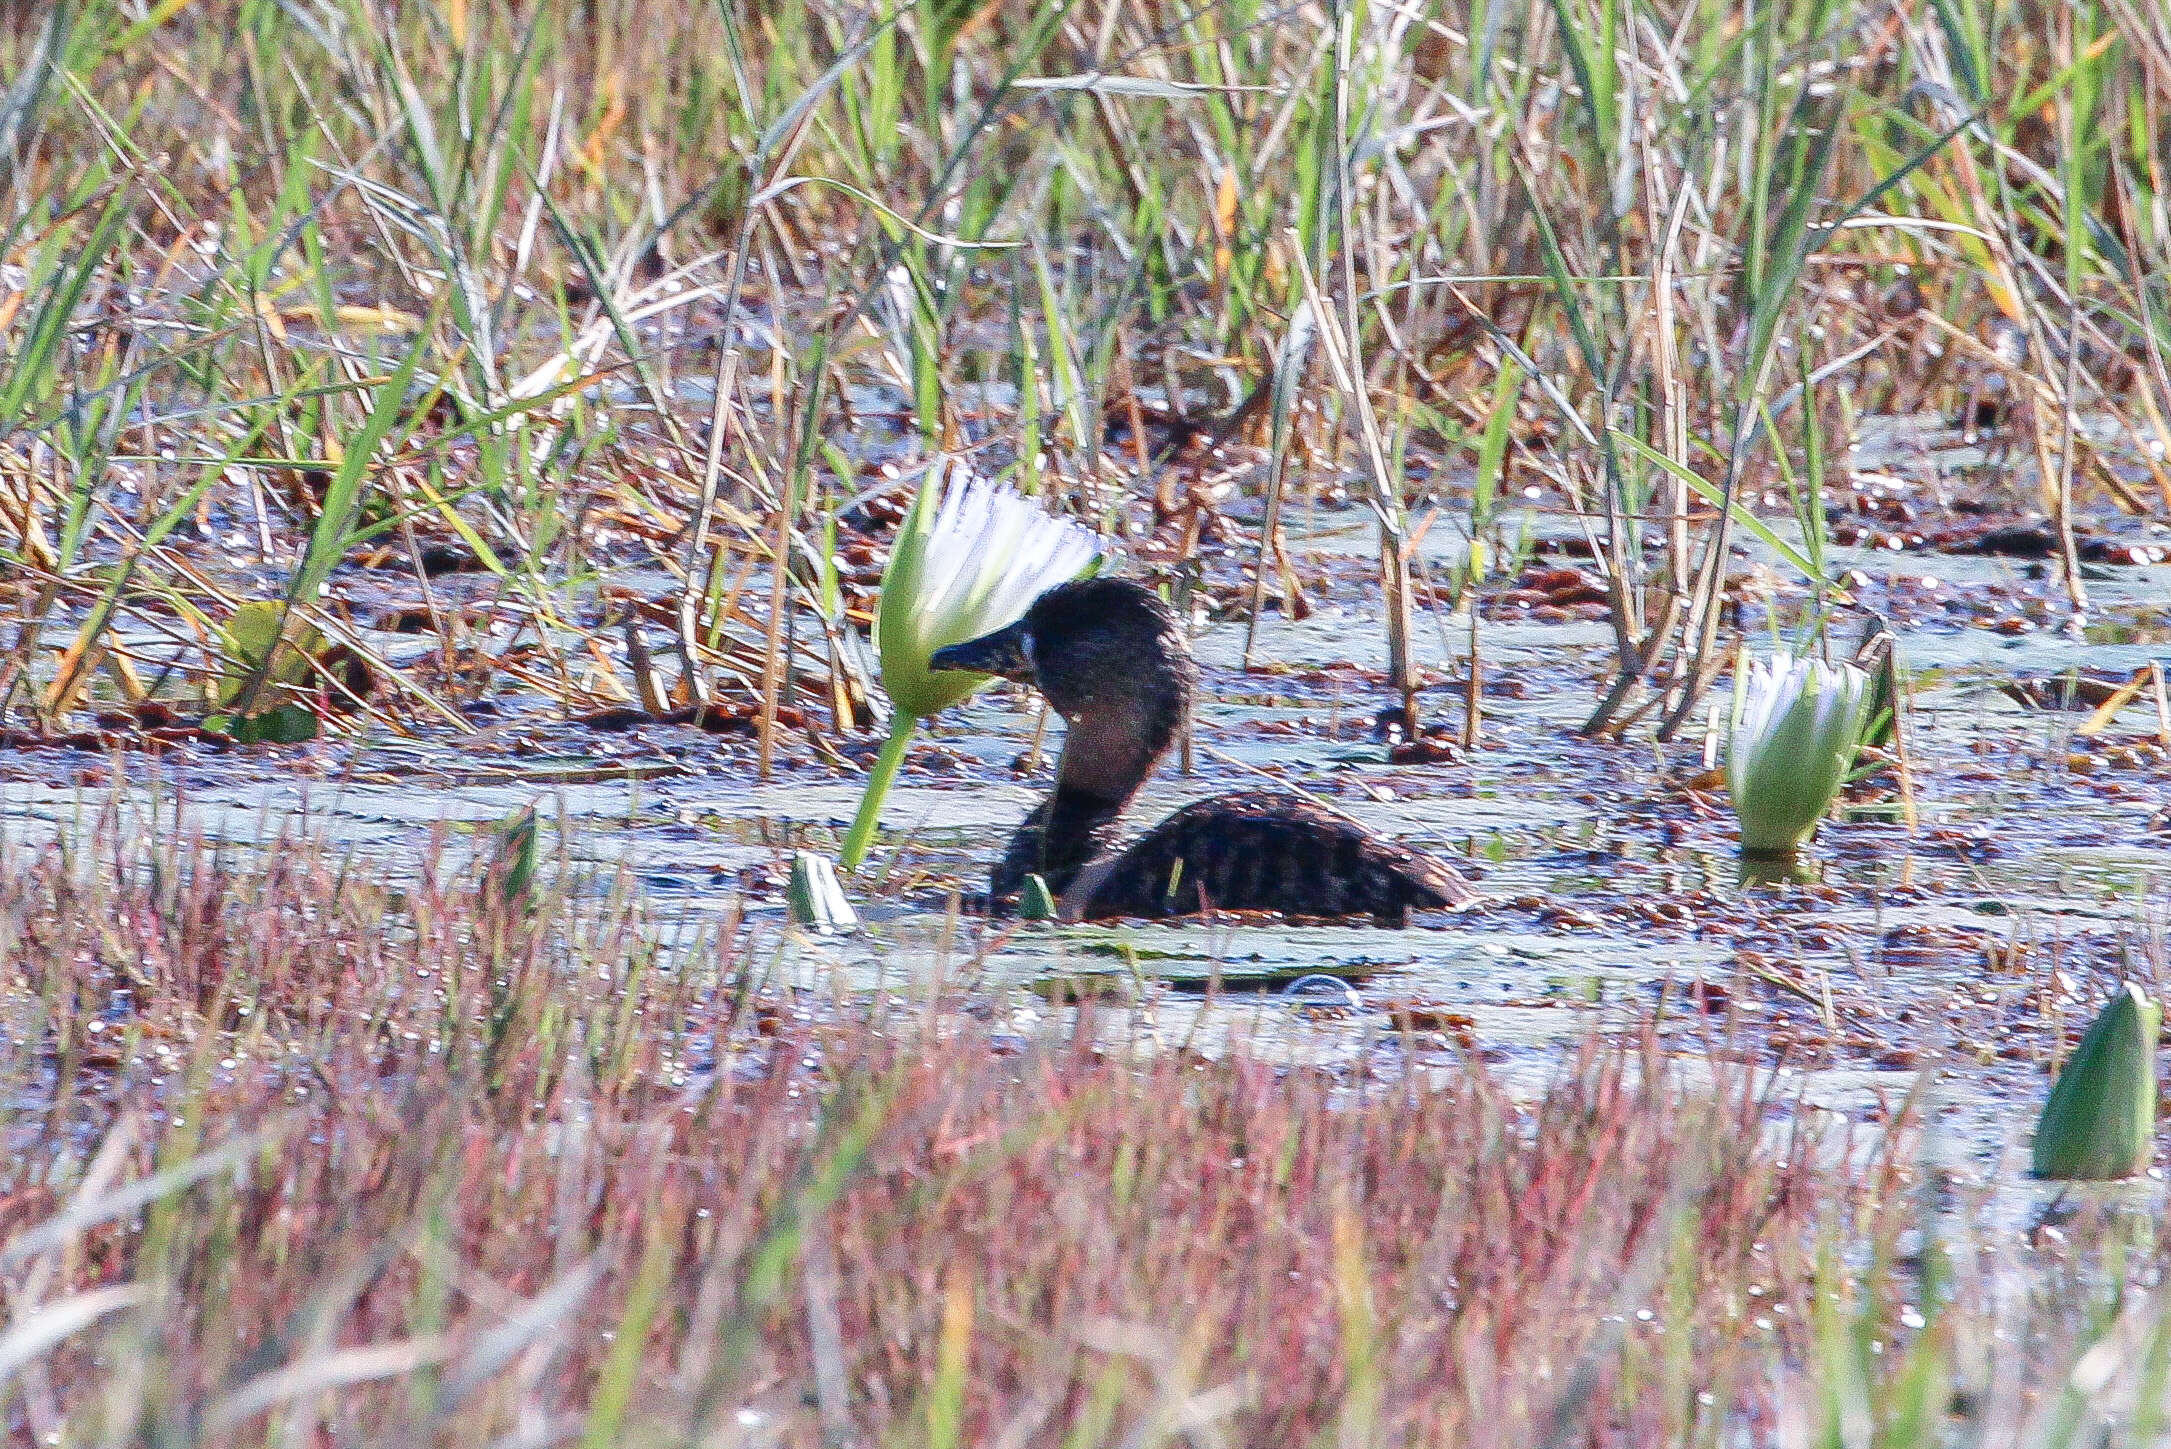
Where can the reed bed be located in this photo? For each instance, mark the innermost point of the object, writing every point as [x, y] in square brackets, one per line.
[632, 310]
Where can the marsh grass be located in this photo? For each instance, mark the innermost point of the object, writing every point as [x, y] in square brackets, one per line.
[582, 290]
[300, 1154]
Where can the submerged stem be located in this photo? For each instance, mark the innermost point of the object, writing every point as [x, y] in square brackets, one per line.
[886, 764]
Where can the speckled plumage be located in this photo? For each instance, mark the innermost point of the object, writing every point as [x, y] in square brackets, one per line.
[1111, 659]
[1266, 850]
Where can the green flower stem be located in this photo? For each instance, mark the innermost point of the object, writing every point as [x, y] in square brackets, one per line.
[860, 837]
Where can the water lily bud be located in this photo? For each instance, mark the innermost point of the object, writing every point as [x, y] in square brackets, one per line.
[2100, 1121]
[1797, 725]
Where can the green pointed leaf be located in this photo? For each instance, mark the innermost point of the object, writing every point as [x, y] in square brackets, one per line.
[2100, 1121]
[513, 870]
[1036, 902]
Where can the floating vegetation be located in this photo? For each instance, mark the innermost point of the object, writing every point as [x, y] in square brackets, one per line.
[1035, 901]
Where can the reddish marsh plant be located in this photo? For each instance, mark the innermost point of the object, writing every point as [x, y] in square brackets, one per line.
[297, 1151]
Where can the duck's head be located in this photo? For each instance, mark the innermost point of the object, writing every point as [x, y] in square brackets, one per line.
[1097, 647]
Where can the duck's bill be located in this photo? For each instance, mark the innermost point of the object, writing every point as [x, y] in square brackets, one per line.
[1002, 653]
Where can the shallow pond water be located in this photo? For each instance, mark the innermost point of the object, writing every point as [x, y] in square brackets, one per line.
[1943, 960]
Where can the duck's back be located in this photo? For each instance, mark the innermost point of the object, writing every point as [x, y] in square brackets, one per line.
[1265, 851]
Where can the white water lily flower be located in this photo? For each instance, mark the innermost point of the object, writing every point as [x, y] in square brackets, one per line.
[1797, 725]
[970, 558]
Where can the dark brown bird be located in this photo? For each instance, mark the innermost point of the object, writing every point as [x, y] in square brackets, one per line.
[1110, 658]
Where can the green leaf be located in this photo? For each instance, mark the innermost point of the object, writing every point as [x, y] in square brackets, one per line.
[288, 724]
[513, 870]
[1493, 446]
[946, 22]
[617, 1388]
[273, 655]
[1712, 494]
[2100, 1121]
[1036, 902]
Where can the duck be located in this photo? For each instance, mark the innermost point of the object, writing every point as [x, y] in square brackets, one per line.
[1111, 658]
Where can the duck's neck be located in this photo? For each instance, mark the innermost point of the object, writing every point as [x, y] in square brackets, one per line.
[1107, 755]
[1060, 838]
